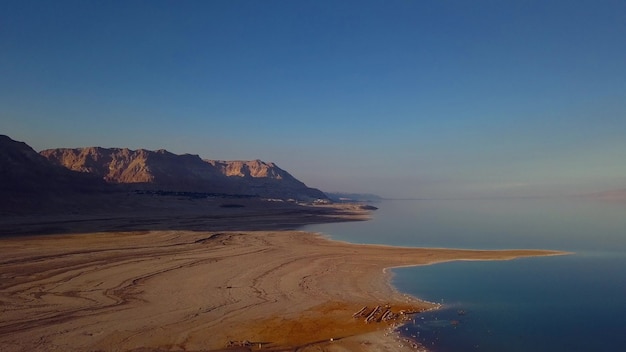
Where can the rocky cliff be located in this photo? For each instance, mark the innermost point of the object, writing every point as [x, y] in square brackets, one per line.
[162, 170]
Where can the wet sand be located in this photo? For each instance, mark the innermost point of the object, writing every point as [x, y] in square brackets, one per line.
[182, 290]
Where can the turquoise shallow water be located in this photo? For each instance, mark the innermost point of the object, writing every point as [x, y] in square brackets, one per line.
[565, 303]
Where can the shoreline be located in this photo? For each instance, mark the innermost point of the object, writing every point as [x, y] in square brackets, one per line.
[198, 290]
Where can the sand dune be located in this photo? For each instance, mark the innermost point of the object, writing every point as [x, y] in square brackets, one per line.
[196, 291]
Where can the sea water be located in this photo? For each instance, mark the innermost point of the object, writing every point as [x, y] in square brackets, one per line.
[575, 302]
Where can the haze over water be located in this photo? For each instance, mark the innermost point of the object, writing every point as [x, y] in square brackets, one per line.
[565, 303]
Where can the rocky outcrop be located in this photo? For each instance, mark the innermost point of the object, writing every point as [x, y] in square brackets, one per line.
[162, 170]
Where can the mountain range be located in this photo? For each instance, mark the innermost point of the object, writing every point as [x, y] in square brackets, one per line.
[67, 171]
[165, 171]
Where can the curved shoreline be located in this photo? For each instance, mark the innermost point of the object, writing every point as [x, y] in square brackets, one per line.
[196, 291]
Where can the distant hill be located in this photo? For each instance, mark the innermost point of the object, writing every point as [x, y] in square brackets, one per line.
[24, 170]
[28, 181]
[161, 170]
[613, 195]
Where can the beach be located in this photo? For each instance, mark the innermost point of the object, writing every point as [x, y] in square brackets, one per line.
[185, 290]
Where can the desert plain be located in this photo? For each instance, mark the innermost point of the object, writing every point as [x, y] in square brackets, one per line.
[243, 280]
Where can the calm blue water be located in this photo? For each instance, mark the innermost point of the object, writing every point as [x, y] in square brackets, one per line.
[565, 303]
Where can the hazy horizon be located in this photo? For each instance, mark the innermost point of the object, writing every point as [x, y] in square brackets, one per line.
[445, 99]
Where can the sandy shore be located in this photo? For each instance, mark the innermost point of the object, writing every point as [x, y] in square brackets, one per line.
[179, 290]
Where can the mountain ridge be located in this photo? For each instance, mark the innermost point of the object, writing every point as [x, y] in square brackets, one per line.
[25, 170]
[96, 179]
[162, 170]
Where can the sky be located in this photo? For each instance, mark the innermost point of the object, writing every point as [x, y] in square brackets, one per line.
[426, 99]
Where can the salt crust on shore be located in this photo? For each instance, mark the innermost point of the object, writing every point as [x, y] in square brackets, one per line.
[195, 291]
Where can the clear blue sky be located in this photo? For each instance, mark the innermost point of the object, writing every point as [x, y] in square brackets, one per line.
[400, 98]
